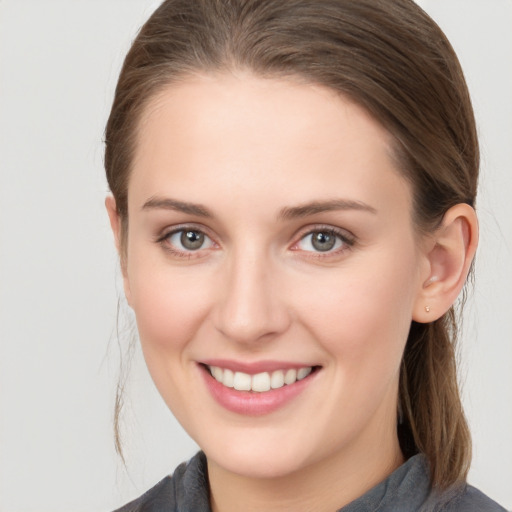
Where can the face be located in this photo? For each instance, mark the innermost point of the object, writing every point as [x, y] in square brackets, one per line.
[273, 268]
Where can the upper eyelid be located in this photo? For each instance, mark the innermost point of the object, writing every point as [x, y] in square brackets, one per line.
[170, 230]
[308, 230]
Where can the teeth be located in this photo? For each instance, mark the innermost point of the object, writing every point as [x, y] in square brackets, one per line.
[303, 373]
[242, 381]
[228, 378]
[260, 382]
[290, 376]
[217, 373]
[277, 379]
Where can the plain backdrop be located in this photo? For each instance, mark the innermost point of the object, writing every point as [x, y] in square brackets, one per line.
[59, 276]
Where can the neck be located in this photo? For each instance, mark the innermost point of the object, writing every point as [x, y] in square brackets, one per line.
[324, 486]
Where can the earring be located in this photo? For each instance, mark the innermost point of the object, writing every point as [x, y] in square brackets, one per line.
[427, 309]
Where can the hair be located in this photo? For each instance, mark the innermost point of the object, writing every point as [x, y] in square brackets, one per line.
[387, 56]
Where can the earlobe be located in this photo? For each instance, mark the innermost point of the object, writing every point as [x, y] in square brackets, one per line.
[449, 258]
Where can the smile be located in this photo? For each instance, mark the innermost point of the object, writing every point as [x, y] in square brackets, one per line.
[257, 388]
[260, 382]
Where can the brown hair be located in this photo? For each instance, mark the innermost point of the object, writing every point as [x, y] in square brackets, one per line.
[387, 56]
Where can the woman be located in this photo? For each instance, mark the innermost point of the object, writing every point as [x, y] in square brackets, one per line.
[292, 199]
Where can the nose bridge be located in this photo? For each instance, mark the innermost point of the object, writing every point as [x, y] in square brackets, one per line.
[250, 308]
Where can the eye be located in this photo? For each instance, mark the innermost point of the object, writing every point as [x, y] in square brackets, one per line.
[187, 240]
[323, 240]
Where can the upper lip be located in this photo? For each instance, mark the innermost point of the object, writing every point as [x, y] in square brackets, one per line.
[254, 367]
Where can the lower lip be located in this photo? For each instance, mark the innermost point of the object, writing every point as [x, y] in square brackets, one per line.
[252, 403]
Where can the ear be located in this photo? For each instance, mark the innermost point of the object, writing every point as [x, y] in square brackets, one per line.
[115, 221]
[115, 224]
[449, 255]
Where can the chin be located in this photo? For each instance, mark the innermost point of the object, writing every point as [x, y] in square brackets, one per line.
[260, 458]
[259, 466]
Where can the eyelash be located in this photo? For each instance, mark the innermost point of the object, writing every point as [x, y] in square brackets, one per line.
[163, 240]
[347, 241]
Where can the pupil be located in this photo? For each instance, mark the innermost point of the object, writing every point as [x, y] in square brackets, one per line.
[323, 241]
[192, 239]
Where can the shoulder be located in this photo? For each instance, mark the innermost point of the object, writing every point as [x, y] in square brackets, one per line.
[186, 489]
[159, 498]
[409, 489]
[471, 499]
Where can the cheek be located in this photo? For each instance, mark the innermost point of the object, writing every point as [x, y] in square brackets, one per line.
[169, 305]
[169, 308]
[362, 314]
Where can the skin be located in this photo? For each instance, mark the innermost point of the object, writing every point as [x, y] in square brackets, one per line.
[247, 149]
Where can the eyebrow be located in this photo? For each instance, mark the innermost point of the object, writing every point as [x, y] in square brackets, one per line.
[287, 213]
[166, 203]
[315, 207]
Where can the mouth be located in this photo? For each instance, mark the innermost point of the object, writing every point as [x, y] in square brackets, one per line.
[256, 389]
[260, 382]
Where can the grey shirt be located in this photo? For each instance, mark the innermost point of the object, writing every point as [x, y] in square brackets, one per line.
[406, 490]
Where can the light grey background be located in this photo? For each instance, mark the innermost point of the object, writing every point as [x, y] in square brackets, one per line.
[59, 278]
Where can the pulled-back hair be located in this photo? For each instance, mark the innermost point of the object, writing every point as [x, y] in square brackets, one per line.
[389, 57]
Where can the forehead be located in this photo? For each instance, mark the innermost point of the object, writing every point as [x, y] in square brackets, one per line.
[253, 135]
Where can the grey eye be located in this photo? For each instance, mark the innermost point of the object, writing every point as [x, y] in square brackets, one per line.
[323, 241]
[320, 241]
[189, 240]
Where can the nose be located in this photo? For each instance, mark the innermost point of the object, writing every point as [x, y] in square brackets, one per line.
[251, 306]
